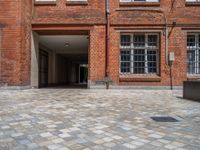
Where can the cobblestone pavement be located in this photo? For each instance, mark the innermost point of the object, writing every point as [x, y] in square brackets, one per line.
[70, 119]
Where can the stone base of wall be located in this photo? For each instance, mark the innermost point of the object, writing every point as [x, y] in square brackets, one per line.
[14, 87]
[136, 87]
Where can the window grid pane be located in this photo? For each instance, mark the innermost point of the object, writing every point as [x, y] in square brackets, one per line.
[192, 0]
[139, 61]
[152, 61]
[125, 61]
[141, 57]
[139, 0]
[139, 40]
[125, 40]
[193, 54]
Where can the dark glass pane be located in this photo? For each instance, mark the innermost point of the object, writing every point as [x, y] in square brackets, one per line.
[125, 40]
[152, 61]
[191, 62]
[125, 61]
[191, 40]
[199, 62]
[125, 67]
[139, 61]
[139, 40]
[125, 55]
[152, 40]
[199, 41]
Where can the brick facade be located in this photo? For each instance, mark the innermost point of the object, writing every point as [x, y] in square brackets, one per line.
[19, 18]
[15, 28]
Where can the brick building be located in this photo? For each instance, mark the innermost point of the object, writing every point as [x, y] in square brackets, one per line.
[75, 42]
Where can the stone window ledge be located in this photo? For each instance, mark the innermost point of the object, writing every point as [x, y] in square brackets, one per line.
[76, 2]
[139, 78]
[48, 2]
[192, 3]
[140, 4]
[193, 77]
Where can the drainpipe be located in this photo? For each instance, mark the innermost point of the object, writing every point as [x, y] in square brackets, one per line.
[107, 80]
[0, 55]
[166, 39]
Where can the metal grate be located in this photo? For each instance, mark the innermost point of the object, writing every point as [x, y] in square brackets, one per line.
[164, 119]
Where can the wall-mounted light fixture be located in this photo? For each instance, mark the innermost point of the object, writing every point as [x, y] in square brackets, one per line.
[171, 61]
[66, 44]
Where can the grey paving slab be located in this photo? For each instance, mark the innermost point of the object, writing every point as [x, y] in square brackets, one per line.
[73, 119]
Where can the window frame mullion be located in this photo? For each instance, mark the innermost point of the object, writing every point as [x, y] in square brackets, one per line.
[132, 54]
[146, 54]
[197, 53]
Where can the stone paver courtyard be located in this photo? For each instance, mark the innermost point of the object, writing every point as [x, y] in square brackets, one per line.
[78, 119]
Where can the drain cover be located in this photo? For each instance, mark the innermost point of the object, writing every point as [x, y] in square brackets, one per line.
[164, 119]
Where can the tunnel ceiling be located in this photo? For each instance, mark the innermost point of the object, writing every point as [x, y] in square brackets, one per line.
[66, 44]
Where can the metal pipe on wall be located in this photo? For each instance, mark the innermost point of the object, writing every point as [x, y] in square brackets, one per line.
[166, 40]
[0, 53]
[107, 45]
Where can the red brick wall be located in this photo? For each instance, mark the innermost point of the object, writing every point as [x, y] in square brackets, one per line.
[127, 17]
[15, 62]
[26, 42]
[15, 28]
[177, 44]
[62, 13]
[97, 54]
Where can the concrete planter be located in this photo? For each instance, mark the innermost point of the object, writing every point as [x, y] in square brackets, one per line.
[191, 90]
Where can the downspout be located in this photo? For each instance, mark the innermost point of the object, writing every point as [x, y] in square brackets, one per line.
[0, 54]
[107, 80]
[166, 39]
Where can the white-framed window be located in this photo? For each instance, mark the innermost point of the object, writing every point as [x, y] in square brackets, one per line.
[192, 0]
[53, 1]
[45, 1]
[76, 0]
[139, 0]
[193, 53]
[139, 53]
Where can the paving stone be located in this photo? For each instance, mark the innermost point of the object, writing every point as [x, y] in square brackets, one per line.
[32, 146]
[130, 146]
[47, 134]
[54, 146]
[17, 134]
[25, 142]
[58, 140]
[64, 135]
[78, 119]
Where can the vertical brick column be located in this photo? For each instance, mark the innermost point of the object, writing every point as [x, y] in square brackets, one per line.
[15, 45]
[178, 44]
[25, 57]
[11, 41]
[114, 55]
[97, 54]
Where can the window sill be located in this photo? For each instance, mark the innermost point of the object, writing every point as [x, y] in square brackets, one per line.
[192, 4]
[50, 2]
[76, 3]
[140, 78]
[142, 4]
[193, 77]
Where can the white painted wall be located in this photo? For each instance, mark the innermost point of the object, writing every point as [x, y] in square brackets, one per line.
[34, 60]
[52, 64]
